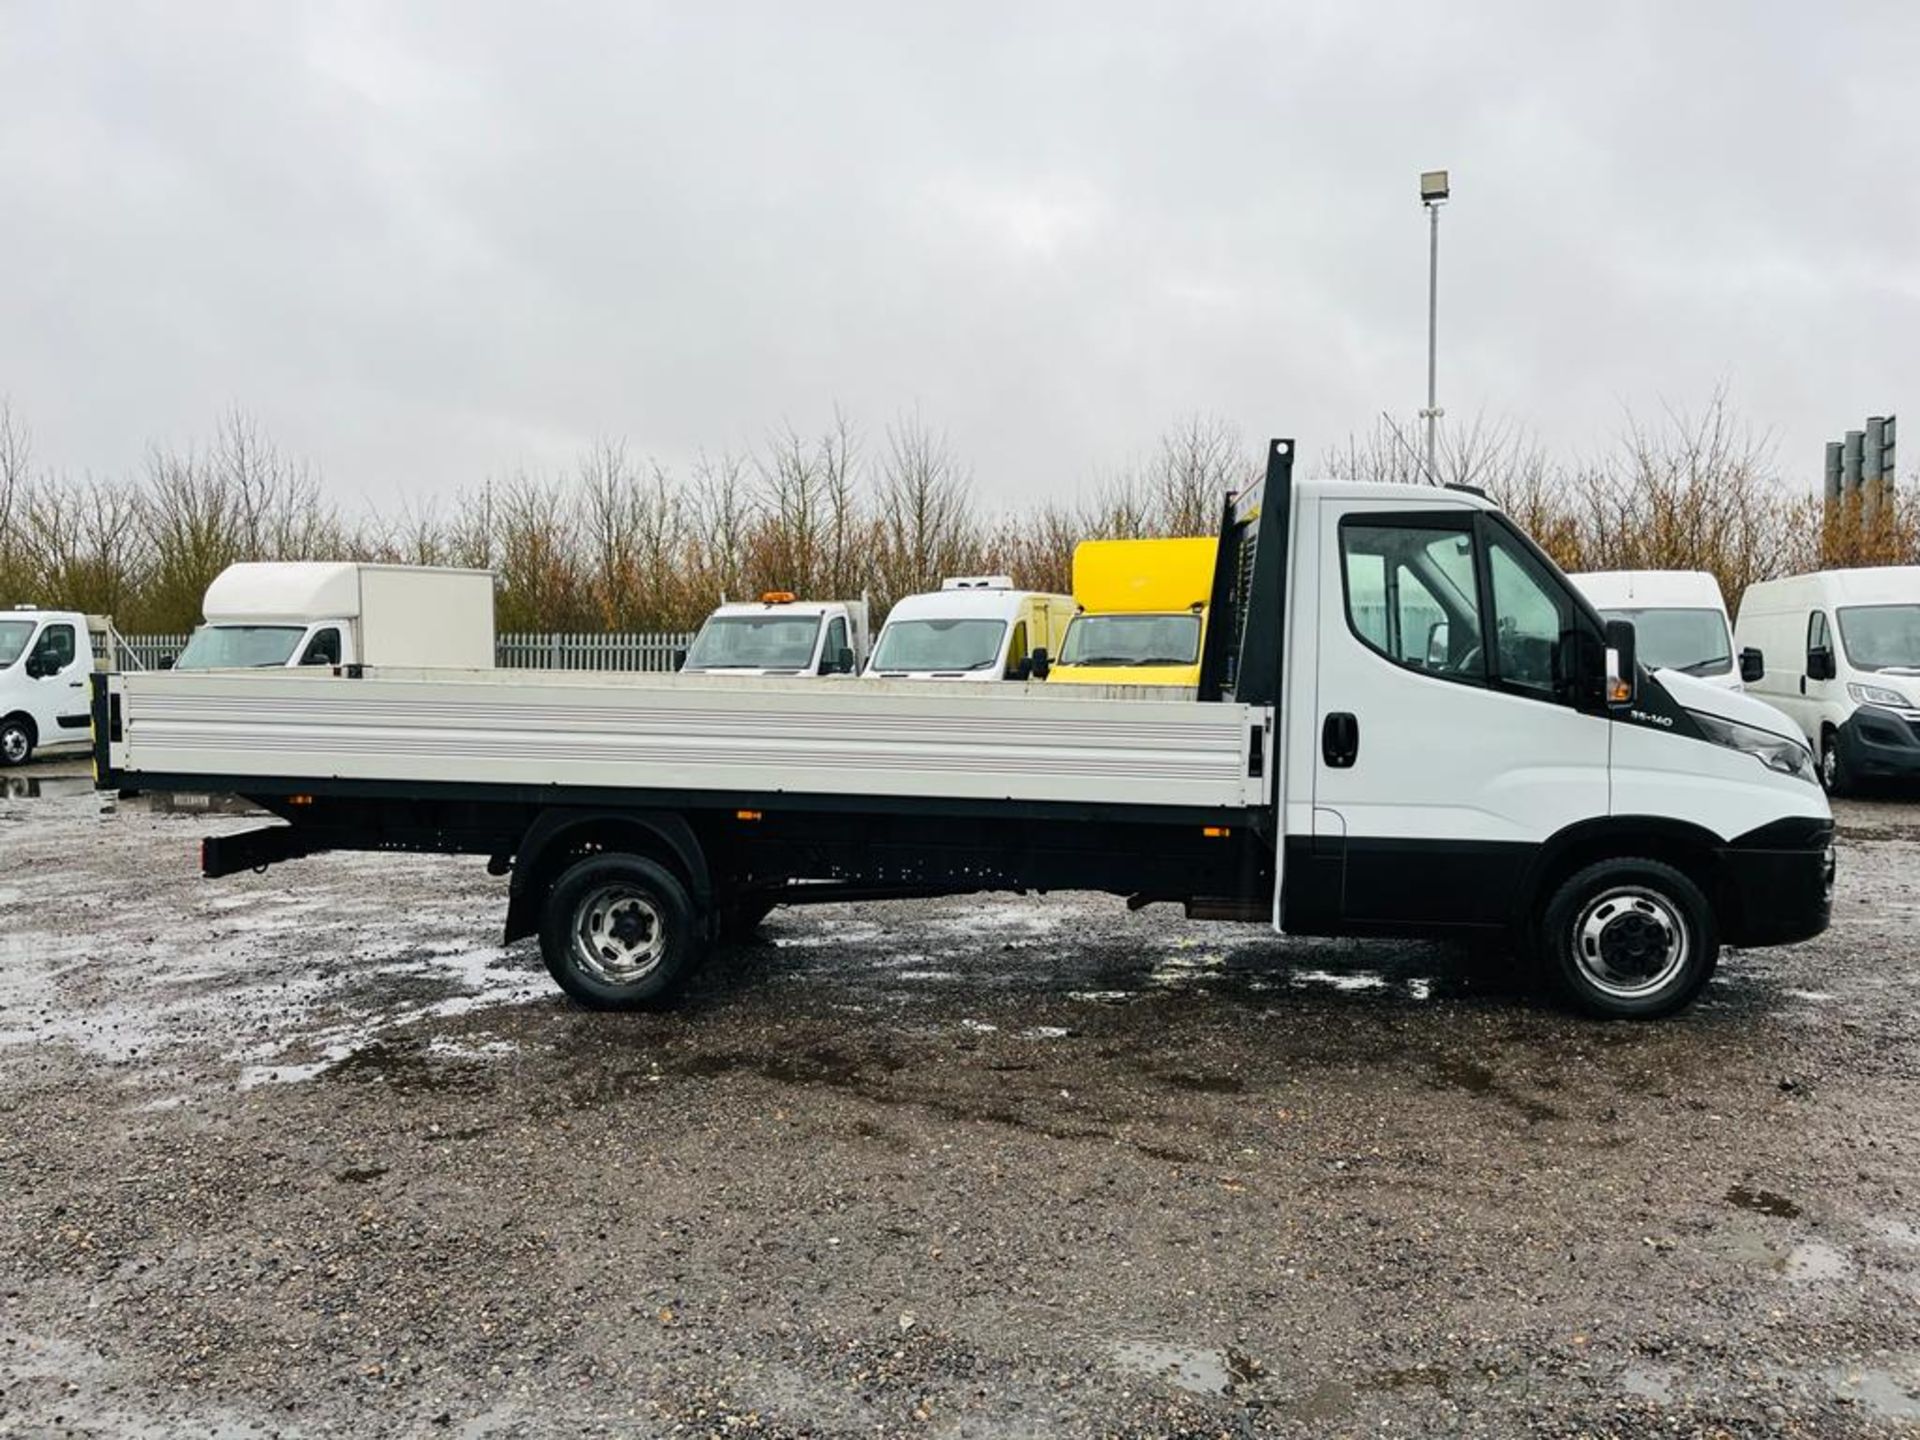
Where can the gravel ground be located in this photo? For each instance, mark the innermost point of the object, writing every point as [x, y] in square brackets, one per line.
[308, 1153]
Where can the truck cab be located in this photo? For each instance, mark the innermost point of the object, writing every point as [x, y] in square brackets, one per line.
[1142, 616]
[781, 635]
[1679, 618]
[45, 658]
[975, 629]
[267, 615]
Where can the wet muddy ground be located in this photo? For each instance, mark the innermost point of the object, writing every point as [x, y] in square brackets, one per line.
[308, 1153]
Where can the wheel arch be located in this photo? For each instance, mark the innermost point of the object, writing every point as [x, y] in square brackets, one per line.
[558, 837]
[1693, 851]
[25, 719]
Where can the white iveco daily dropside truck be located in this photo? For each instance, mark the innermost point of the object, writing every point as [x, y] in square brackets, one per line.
[1408, 722]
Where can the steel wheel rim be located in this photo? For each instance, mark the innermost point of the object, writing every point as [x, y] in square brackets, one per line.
[13, 744]
[1631, 942]
[619, 936]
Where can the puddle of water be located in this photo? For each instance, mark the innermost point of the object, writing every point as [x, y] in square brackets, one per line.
[1650, 1382]
[1101, 997]
[43, 787]
[1344, 980]
[1892, 1393]
[1814, 1261]
[1763, 1202]
[1198, 1372]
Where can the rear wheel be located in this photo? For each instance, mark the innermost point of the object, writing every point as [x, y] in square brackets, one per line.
[16, 740]
[619, 932]
[1629, 939]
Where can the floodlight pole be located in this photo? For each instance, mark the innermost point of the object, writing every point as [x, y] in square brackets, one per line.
[1432, 196]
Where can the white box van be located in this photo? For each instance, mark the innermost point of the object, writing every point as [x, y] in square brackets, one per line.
[274, 613]
[974, 628]
[45, 657]
[1679, 620]
[1842, 651]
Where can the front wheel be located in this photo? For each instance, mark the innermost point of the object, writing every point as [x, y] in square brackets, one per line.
[1629, 939]
[618, 932]
[1834, 777]
[16, 741]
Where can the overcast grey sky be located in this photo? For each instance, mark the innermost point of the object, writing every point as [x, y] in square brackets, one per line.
[424, 243]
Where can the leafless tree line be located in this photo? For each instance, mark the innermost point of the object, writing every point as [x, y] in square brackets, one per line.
[622, 543]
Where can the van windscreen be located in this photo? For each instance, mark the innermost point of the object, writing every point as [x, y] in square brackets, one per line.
[773, 641]
[1132, 640]
[1694, 641]
[939, 645]
[1881, 637]
[239, 647]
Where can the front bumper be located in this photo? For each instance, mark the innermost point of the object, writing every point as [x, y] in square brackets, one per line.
[1776, 884]
[1878, 743]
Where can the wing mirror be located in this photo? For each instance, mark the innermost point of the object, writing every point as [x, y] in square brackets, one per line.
[1438, 648]
[1622, 669]
[843, 661]
[1753, 666]
[1820, 664]
[680, 658]
[1039, 664]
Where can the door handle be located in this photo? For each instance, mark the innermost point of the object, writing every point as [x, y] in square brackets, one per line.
[1340, 740]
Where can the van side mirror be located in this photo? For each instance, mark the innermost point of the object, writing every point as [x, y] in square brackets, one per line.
[1622, 669]
[843, 661]
[680, 659]
[1039, 664]
[1820, 664]
[166, 662]
[1753, 666]
[1438, 648]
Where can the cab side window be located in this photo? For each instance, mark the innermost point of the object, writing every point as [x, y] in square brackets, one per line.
[323, 649]
[836, 642]
[54, 650]
[1531, 615]
[1818, 636]
[1412, 595]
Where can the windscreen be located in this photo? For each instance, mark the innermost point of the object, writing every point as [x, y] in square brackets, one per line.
[1694, 642]
[1882, 637]
[239, 647]
[754, 642]
[13, 639]
[939, 645]
[1132, 640]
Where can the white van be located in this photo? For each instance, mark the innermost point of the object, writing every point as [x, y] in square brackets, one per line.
[974, 628]
[1842, 652]
[781, 635]
[266, 614]
[45, 658]
[1679, 620]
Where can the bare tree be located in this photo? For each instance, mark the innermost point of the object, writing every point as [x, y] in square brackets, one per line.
[925, 523]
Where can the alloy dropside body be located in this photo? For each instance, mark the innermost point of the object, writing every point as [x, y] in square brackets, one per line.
[1407, 722]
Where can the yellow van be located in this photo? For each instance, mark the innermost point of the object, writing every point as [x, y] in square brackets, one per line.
[1143, 612]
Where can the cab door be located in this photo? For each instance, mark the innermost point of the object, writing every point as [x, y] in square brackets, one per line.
[56, 670]
[1451, 737]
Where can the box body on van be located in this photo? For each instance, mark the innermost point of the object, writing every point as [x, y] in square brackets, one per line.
[1841, 653]
[973, 629]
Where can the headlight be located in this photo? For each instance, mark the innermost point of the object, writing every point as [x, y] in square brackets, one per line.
[1775, 752]
[1879, 695]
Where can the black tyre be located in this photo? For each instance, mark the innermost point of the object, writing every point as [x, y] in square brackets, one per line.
[16, 740]
[1629, 939]
[618, 932]
[1835, 779]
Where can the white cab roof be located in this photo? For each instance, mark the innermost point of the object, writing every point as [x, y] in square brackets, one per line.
[1650, 589]
[1872, 585]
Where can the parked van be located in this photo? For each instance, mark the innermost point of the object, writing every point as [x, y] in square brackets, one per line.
[275, 613]
[1842, 659]
[973, 628]
[1143, 612]
[45, 658]
[780, 635]
[1679, 620]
